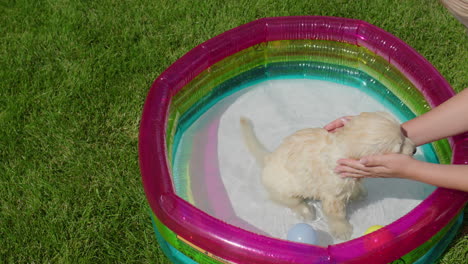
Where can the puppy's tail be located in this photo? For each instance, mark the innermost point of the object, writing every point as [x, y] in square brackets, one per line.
[251, 141]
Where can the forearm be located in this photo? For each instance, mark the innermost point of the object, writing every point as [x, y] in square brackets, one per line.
[447, 176]
[448, 119]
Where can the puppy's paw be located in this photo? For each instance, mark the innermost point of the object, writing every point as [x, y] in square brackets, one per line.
[305, 212]
[341, 230]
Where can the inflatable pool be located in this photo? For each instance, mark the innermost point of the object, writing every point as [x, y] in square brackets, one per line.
[275, 68]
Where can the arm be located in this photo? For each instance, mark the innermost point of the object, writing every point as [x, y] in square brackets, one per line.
[402, 166]
[448, 119]
[447, 176]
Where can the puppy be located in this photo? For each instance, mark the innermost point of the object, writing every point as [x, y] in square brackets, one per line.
[302, 167]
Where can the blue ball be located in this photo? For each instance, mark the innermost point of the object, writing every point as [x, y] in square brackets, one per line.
[302, 233]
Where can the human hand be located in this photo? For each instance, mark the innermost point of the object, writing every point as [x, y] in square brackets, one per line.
[337, 124]
[377, 166]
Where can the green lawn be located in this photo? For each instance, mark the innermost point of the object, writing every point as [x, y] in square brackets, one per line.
[73, 79]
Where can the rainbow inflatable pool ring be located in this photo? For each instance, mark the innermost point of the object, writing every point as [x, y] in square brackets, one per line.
[345, 51]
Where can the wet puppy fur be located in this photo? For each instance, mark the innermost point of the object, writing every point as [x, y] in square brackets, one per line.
[302, 167]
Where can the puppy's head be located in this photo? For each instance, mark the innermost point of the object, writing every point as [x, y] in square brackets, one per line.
[375, 133]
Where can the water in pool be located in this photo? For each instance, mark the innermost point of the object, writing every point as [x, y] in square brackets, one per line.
[225, 181]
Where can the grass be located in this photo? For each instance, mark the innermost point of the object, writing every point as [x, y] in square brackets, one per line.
[73, 79]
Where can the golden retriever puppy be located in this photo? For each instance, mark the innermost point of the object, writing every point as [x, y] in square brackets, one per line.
[302, 167]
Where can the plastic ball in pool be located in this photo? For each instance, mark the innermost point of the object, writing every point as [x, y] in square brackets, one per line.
[378, 238]
[372, 229]
[302, 233]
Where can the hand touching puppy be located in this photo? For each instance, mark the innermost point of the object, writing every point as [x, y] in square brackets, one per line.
[303, 166]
